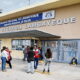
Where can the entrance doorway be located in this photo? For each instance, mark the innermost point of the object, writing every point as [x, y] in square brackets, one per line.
[68, 49]
[62, 50]
[53, 45]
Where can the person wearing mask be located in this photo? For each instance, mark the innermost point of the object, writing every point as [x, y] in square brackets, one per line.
[4, 57]
[48, 58]
[30, 60]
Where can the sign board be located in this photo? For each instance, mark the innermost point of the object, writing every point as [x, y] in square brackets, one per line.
[31, 18]
[51, 22]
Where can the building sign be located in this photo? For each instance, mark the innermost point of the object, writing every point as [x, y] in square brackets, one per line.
[48, 15]
[31, 18]
[28, 26]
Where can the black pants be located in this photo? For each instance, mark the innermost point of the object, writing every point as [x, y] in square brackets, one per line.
[73, 61]
[9, 62]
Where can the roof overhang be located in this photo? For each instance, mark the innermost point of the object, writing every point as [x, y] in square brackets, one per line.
[28, 10]
[29, 33]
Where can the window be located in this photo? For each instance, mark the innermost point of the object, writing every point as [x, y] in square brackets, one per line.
[20, 44]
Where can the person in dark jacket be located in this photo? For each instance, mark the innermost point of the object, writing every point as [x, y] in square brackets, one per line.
[30, 60]
[25, 52]
[48, 58]
[73, 61]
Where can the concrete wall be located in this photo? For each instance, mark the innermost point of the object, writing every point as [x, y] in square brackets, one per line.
[66, 31]
[7, 42]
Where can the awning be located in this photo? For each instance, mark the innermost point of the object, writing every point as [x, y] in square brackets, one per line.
[28, 33]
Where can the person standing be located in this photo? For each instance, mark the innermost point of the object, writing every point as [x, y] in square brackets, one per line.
[30, 60]
[25, 52]
[4, 57]
[48, 58]
[9, 58]
[36, 56]
[40, 53]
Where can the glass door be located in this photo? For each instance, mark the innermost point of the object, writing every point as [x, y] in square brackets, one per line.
[53, 45]
[68, 50]
[63, 50]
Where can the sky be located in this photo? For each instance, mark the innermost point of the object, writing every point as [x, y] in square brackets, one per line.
[9, 5]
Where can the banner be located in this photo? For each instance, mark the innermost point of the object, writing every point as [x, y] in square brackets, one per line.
[31, 18]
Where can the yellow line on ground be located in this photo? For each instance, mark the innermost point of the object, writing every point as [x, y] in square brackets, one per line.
[42, 72]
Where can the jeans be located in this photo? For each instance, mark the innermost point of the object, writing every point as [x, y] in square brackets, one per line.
[3, 63]
[36, 63]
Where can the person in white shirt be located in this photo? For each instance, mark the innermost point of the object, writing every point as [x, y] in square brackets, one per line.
[4, 56]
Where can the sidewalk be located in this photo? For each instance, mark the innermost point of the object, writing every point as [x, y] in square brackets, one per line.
[59, 71]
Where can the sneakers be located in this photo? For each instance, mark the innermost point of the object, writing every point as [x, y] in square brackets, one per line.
[47, 71]
[4, 70]
[31, 72]
[28, 72]
[43, 70]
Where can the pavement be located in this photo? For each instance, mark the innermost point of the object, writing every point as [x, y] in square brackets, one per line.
[59, 71]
